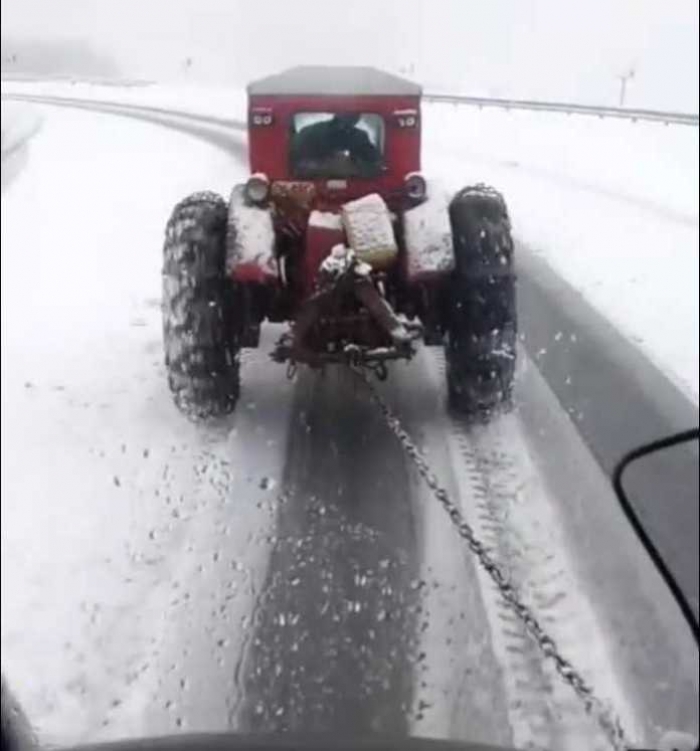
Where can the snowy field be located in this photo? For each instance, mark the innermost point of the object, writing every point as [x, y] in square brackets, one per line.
[612, 205]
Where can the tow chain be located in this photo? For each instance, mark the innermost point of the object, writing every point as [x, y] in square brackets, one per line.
[596, 708]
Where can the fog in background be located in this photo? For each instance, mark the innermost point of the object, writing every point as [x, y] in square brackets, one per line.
[554, 49]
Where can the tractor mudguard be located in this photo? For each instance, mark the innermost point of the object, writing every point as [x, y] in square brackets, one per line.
[428, 239]
[250, 241]
[480, 199]
[474, 212]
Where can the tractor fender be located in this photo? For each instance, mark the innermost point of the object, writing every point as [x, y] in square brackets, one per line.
[428, 239]
[480, 199]
[476, 211]
[250, 241]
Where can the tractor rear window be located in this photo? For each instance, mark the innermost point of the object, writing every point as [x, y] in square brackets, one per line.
[336, 145]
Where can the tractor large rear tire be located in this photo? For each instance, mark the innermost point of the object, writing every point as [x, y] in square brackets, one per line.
[201, 348]
[481, 314]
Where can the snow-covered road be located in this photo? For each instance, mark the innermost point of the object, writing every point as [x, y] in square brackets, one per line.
[109, 491]
[610, 205]
[285, 568]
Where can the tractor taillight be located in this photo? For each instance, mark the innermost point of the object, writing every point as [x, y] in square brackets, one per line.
[261, 117]
[415, 186]
[257, 189]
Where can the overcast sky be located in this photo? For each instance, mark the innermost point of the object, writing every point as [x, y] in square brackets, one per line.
[563, 49]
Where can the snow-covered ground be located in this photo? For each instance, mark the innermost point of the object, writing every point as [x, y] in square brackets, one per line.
[118, 517]
[512, 508]
[215, 101]
[19, 123]
[612, 205]
[159, 531]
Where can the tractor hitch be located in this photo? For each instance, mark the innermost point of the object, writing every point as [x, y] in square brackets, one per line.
[353, 355]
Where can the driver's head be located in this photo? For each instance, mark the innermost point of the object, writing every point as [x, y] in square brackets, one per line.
[346, 121]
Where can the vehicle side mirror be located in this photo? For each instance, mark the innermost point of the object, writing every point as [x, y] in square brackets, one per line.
[635, 457]
[17, 734]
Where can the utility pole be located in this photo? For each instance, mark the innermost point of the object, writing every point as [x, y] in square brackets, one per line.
[623, 85]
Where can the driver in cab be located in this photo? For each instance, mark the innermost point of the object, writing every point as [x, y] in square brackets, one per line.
[337, 137]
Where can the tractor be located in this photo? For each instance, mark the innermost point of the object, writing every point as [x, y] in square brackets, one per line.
[339, 235]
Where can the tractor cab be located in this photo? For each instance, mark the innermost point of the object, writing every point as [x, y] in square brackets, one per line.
[326, 135]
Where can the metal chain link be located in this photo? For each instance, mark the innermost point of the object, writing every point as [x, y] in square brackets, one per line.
[607, 720]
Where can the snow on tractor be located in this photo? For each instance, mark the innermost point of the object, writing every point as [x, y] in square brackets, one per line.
[339, 234]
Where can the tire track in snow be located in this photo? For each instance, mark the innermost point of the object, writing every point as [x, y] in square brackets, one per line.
[541, 713]
[513, 513]
[332, 643]
[504, 496]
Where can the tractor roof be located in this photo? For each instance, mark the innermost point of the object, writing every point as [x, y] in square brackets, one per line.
[324, 80]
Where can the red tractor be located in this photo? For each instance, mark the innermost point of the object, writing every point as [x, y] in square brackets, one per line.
[338, 233]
